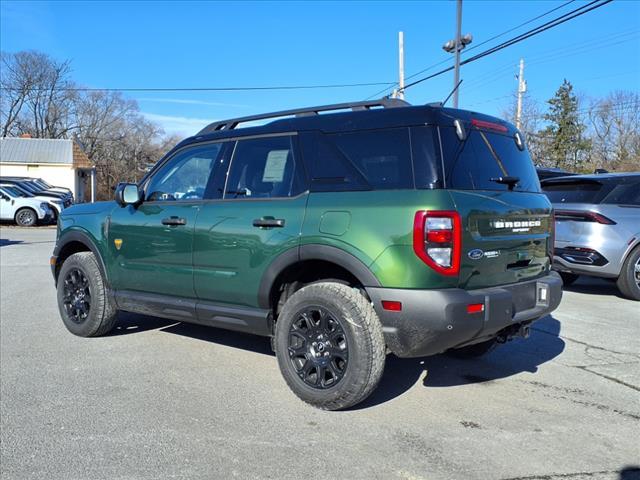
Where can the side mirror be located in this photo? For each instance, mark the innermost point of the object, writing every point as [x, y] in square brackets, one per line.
[128, 194]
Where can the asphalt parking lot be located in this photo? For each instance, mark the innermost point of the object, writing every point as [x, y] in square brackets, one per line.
[159, 399]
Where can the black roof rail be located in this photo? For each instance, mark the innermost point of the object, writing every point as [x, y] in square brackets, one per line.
[232, 123]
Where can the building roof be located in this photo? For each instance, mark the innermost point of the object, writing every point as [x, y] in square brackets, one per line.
[42, 151]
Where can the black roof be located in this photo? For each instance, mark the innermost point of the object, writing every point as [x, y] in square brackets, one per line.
[394, 113]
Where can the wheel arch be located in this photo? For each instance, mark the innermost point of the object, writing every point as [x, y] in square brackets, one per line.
[19, 209]
[74, 242]
[342, 264]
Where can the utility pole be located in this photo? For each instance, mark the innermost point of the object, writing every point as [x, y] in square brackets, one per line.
[456, 77]
[455, 46]
[522, 88]
[401, 65]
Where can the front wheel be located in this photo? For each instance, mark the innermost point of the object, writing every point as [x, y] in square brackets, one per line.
[629, 279]
[26, 217]
[330, 346]
[85, 306]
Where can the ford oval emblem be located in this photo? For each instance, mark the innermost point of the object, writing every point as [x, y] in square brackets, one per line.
[475, 254]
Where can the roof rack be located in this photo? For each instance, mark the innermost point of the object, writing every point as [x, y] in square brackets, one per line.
[303, 112]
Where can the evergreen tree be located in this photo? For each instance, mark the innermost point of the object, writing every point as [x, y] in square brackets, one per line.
[566, 144]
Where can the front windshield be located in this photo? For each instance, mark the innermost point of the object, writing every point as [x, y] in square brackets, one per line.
[28, 186]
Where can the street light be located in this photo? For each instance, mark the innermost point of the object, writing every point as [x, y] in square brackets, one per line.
[455, 46]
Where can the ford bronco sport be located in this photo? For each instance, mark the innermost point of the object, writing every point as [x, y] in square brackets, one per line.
[342, 232]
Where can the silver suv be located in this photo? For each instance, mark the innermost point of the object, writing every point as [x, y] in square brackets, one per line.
[598, 228]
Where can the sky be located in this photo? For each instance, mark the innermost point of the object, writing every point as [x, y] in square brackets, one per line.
[154, 44]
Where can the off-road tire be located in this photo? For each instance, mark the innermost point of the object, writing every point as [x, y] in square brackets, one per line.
[568, 278]
[26, 217]
[102, 312]
[627, 279]
[475, 350]
[364, 339]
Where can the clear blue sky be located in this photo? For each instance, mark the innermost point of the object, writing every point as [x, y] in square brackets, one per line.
[208, 44]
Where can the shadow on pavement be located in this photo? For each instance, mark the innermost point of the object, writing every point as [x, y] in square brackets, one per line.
[594, 286]
[401, 374]
[228, 338]
[5, 241]
[631, 472]
[517, 356]
[133, 323]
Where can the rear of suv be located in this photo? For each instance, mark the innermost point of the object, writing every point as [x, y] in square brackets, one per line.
[342, 232]
[598, 228]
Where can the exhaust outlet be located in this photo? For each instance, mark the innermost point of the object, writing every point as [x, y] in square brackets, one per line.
[524, 331]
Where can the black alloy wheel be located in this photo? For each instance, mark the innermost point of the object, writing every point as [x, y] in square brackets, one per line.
[318, 347]
[77, 296]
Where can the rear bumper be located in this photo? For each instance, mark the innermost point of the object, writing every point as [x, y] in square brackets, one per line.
[432, 321]
[585, 261]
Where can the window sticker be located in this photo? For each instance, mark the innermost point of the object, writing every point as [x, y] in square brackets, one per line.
[275, 165]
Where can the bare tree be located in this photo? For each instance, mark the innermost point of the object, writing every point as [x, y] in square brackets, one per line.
[615, 128]
[37, 95]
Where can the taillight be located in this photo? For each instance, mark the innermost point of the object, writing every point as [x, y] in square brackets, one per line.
[437, 239]
[583, 216]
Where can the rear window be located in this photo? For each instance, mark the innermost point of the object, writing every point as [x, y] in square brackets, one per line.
[574, 192]
[485, 155]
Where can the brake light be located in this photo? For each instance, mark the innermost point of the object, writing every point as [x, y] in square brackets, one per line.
[583, 216]
[437, 240]
[489, 125]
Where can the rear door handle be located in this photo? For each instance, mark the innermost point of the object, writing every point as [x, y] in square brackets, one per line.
[174, 221]
[269, 222]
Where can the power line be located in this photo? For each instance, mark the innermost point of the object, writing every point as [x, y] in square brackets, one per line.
[213, 89]
[535, 31]
[476, 46]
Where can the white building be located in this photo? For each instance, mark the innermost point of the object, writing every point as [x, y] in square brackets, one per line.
[59, 162]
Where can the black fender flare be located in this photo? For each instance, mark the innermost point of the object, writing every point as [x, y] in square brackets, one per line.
[313, 252]
[85, 239]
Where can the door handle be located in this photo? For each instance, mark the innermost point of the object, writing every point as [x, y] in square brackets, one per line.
[174, 221]
[269, 222]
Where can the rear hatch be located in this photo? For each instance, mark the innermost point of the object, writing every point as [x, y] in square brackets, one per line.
[506, 221]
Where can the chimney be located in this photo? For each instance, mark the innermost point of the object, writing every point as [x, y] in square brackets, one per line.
[25, 135]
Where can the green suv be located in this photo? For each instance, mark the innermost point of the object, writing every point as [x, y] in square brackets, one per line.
[342, 232]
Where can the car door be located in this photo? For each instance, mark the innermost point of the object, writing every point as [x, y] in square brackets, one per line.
[151, 243]
[259, 218]
[6, 205]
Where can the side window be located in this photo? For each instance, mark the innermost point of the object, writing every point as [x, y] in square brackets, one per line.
[383, 157]
[329, 170]
[264, 168]
[185, 176]
[627, 194]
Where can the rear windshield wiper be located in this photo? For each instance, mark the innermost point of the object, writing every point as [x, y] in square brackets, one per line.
[508, 180]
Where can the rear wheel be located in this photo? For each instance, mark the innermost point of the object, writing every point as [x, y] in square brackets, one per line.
[26, 217]
[568, 278]
[85, 306]
[330, 346]
[629, 279]
[475, 350]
